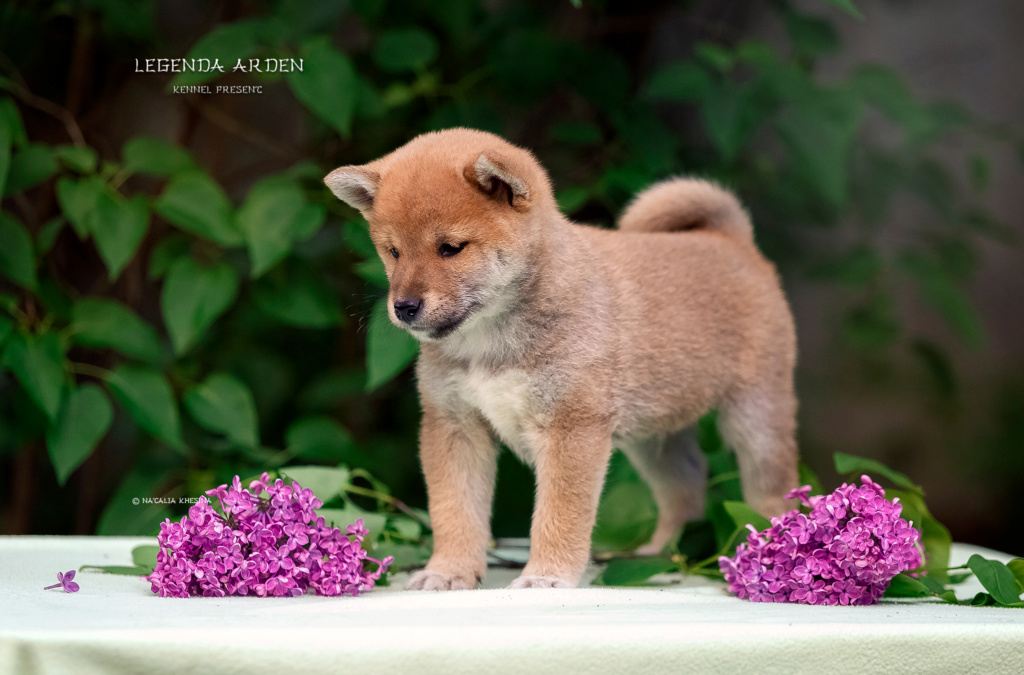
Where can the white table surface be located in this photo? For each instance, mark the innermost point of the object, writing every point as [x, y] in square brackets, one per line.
[114, 624]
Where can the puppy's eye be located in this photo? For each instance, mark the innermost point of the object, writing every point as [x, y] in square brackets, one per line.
[448, 250]
[394, 252]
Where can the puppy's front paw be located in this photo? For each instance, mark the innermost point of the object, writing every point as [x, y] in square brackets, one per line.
[532, 581]
[429, 580]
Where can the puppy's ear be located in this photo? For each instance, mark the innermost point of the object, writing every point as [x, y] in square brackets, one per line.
[355, 185]
[496, 177]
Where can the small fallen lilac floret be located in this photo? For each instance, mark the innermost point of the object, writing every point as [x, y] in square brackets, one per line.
[845, 551]
[269, 542]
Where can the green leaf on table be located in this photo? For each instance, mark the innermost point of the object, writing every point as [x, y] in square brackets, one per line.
[123, 570]
[195, 203]
[274, 216]
[84, 419]
[743, 515]
[78, 199]
[17, 261]
[906, 586]
[997, 579]
[80, 159]
[145, 556]
[633, 571]
[935, 538]
[1016, 567]
[319, 439]
[38, 363]
[405, 555]
[148, 398]
[225, 44]
[102, 323]
[193, 297]
[404, 49]
[156, 157]
[326, 482]
[850, 464]
[388, 348]
[681, 81]
[118, 226]
[33, 164]
[327, 85]
[225, 405]
[342, 518]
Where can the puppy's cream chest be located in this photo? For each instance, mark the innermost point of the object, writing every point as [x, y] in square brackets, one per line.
[507, 399]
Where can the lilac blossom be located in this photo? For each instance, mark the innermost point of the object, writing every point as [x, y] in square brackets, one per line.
[66, 581]
[269, 542]
[845, 551]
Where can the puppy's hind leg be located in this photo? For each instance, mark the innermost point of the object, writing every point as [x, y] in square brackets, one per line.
[760, 425]
[676, 470]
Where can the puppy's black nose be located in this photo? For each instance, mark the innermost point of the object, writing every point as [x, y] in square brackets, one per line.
[406, 310]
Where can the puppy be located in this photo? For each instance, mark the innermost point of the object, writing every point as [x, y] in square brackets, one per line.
[565, 341]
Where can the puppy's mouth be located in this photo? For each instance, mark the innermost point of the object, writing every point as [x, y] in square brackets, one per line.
[446, 327]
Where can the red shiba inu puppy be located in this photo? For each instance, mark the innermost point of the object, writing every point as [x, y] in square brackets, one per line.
[565, 341]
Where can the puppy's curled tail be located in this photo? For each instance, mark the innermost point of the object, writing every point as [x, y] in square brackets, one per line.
[680, 204]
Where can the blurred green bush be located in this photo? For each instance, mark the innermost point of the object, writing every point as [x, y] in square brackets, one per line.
[168, 321]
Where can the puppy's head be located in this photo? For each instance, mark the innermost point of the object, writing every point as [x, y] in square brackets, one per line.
[456, 217]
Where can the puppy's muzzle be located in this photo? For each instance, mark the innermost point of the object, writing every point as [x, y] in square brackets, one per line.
[406, 310]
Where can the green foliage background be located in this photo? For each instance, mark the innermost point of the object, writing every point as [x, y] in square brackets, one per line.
[181, 300]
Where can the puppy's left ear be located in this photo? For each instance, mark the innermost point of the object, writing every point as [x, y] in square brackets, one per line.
[355, 185]
[500, 179]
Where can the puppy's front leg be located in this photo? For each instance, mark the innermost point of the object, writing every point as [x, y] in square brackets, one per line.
[459, 463]
[571, 465]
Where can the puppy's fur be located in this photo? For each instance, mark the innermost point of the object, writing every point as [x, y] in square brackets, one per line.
[564, 341]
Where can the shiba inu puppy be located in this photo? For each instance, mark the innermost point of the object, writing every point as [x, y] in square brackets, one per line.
[565, 341]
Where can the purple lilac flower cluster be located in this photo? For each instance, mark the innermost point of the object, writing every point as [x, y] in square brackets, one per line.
[273, 545]
[844, 552]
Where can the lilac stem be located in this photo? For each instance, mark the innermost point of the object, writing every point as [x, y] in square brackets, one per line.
[54, 586]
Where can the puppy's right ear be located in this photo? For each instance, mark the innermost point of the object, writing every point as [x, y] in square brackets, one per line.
[355, 185]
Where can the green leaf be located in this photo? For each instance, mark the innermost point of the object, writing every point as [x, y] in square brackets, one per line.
[743, 515]
[326, 482]
[48, 233]
[935, 538]
[682, 81]
[17, 261]
[327, 85]
[357, 235]
[811, 35]
[118, 227]
[148, 398]
[224, 45]
[388, 348]
[170, 248]
[819, 129]
[298, 297]
[195, 203]
[1016, 567]
[6, 140]
[572, 198]
[342, 518]
[80, 159]
[905, 586]
[156, 157]
[731, 113]
[632, 571]
[576, 133]
[627, 515]
[122, 517]
[145, 556]
[883, 88]
[84, 419]
[122, 570]
[38, 363]
[945, 296]
[848, 6]
[404, 49]
[997, 579]
[33, 164]
[11, 126]
[223, 404]
[319, 439]
[102, 323]
[6, 328]
[274, 216]
[193, 297]
[849, 464]
[78, 199]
